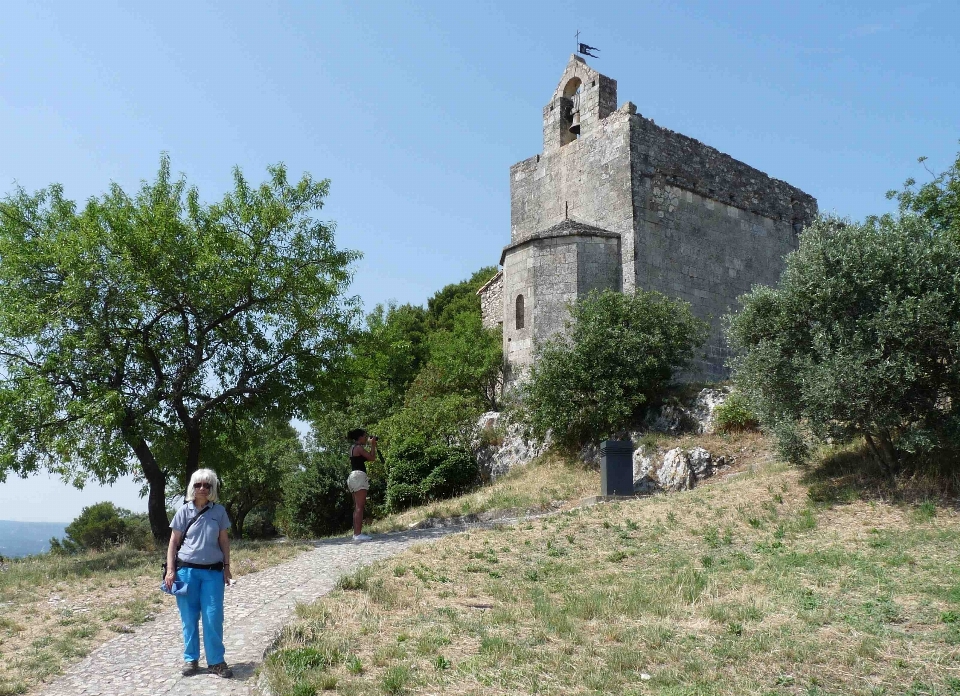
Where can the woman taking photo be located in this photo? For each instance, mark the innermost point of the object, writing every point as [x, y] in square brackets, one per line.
[199, 556]
[358, 483]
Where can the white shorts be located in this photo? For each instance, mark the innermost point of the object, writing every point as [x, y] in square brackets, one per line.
[358, 481]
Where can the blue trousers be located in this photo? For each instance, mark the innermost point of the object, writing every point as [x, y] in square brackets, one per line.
[204, 599]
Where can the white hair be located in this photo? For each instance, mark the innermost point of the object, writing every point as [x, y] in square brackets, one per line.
[204, 476]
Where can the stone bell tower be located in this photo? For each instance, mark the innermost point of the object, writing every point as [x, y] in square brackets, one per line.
[621, 203]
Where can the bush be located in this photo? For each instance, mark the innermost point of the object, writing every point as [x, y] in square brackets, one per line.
[735, 415]
[316, 500]
[858, 339]
[101, 526]
[619, 352]
[260, 523]
[421, 473]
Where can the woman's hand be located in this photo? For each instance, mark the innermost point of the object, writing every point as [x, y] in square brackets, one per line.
[168, 581]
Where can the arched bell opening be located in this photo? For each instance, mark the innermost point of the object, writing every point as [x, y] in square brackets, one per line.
[570, 126]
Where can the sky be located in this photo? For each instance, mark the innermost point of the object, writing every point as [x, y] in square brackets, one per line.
[416, 110]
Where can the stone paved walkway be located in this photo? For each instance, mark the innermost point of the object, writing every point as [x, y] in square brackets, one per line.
[147, 662]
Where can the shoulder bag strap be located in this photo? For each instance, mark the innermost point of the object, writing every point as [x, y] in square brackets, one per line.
[190, 524]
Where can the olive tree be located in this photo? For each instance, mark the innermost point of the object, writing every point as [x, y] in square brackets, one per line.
[861, 337]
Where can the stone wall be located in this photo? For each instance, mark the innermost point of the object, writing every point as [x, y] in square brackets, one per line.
[708, 228]
[491, 301]
[549, 273]
[587, 180]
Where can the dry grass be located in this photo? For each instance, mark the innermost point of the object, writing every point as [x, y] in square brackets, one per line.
[531, 488]
[743, 586]
[55, 609]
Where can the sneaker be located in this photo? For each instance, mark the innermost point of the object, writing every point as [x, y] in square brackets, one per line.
[221, 670]
[190, 667]
[357, 538]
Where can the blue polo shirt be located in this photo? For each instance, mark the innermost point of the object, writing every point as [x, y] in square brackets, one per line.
[201, 544]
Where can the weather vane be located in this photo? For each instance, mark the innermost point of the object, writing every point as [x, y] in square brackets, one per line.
[584, 50]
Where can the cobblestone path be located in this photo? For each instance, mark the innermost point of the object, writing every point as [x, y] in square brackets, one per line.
[148, 661]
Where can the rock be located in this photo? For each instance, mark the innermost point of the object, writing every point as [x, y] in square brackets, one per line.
[502, 445]
[705, 404]
[674, 470]
[697, 418]
[674, 473]
[701, 463]
[670, 419]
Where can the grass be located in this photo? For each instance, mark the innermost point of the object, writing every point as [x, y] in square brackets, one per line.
[744, 585]
[531, 488]
[55, 609]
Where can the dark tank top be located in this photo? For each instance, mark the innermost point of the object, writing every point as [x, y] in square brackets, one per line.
[357, 463]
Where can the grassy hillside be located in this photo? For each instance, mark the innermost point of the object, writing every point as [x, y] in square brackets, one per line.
[746, 585]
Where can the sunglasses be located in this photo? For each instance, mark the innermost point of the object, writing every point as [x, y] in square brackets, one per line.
[201, 485]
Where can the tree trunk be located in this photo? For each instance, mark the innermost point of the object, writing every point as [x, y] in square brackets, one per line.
[157, 498]
[238, 524]
[192, 430]
[884, 453]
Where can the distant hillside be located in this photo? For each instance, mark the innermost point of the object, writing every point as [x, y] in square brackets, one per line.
[27, 538]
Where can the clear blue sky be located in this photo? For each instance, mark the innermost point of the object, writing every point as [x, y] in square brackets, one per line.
[415, 111]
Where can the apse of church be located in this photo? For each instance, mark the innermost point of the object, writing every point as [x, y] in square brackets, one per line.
[616, 201]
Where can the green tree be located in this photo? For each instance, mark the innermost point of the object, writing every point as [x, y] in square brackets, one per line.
[98, 527]
[619, 351]
[860, 337]
[457, 298]
[419, 473]
[316, 501]
[937, 201]
[143, 319]
[253, 458]
[468, 359]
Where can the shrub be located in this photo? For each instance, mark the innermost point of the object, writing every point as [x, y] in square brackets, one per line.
[859, 338]
[101, 526]
[420, 473]
[316, 500]
[619, 352]
[735, 415]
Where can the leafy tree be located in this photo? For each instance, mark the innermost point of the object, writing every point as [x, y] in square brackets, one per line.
[468, 359]
[254, 459]
[454, 299]
[420, 473]
[937, 201]
[860, 337]
[385, 360]
[316, 501]
[142, 320]
[98, 527]
[619, 351]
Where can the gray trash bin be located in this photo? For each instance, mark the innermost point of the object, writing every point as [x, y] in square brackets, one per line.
[616, 467]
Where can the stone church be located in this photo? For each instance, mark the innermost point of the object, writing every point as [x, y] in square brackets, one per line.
[616, 201]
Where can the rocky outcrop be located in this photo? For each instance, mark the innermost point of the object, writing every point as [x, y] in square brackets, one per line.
[503, 445]
[696, 418]
[655, 470]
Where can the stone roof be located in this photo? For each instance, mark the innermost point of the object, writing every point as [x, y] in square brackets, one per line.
[565, 228]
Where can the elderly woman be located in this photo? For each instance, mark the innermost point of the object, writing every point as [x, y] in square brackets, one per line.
[199, 556]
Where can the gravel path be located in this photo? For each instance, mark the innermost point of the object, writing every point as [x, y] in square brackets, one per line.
[148, 661]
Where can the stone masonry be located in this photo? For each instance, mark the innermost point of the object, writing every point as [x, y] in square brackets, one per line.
[628, 204]
[491, 301]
